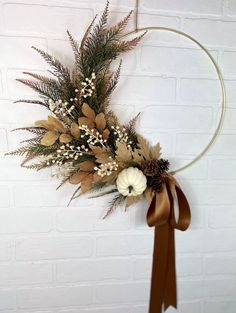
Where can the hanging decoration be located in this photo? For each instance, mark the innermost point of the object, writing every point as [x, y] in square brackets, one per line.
[87, 146]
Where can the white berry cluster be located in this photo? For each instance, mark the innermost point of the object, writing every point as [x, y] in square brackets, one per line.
[88, 86]
[94, 137]
[106, 169]
[66, 152]
[61, 108]
[122, 135]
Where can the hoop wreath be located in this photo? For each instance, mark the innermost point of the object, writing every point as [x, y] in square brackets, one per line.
[85, 143]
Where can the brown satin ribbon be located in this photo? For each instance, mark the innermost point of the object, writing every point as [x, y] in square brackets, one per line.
[161, 215]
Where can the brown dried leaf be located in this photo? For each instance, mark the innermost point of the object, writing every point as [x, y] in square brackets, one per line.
[144, 147]
[132, 200]
[86, 183]
[88, 112]
[156, 151]
[100, 122]
[49, 138]
[75, 131]
[87, 166]
[65, 138]
[111, 178]
[77, 178]
[149, 194]
[56, 124]
[86, 121]
[96, 177]
[105, 134]
[97, 150]
[123, 152]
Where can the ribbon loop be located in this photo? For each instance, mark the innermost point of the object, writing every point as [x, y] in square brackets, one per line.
[161, 216]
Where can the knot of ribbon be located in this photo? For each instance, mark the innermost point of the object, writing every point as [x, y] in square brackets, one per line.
[161, 215]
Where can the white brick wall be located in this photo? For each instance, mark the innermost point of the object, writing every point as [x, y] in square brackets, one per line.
[55, 259]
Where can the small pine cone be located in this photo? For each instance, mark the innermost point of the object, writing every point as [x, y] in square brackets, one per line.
[163, 165]
[155, 183]
[150, 168]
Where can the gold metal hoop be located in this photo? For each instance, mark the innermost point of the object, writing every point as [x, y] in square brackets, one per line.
[220, 76]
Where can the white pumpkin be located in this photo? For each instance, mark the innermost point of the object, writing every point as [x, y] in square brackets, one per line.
[131, 182]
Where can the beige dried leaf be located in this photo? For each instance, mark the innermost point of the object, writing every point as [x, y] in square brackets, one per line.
[137, 156]
[65, 138]
[105, 134]
[75, 131]
[88, 112]
[97, 150]
[100, 122]
[86, 121]
[156, 151]
[86, 183]
[77, 178]
[56, 124]
[44, 124]
[144, 147]
[49, 138]
[102, 158]
[111, 178]
[87, 166]
[123, 153]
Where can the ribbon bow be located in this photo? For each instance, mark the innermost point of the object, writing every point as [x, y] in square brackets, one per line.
[161, 215]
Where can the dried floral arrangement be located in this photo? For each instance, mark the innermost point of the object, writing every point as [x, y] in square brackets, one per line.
[84, 141]
[82, 137]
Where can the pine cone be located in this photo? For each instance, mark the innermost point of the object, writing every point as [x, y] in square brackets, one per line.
[155, 183]
[150, 168]
[163, 166]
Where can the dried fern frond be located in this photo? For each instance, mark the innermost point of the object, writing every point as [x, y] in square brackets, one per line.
[118, 200]
[59, 70]
[31, 101]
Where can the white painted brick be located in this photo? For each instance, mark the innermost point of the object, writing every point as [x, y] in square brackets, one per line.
[219, 33]
[25, 274]
[10, 170]
[55, 19]
[3, 140]
[222, 217]
[231, 5]
[48, 248]
[122, 293]
[220, 265]
[159, 88]
[53, 297]
[123, 309]
[175, 61]
[97, 270]
[228, 62]
[204, 91]
[146, 20]
[26, 57]
[6, 249]
[230, 116]
[221, 169]
[194, 143]
[191, 6]
[193, 307]
[219, 287]
[8, 299]
[4, 196]
[190, 241]
[119, 245]
[220, 240]
[31, 195]
[25, 221]
[21, 113]
[219, 306]
[198, 171]
[190, 290]
[176, 117]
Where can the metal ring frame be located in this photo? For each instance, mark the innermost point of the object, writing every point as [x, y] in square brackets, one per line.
[218, 71]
